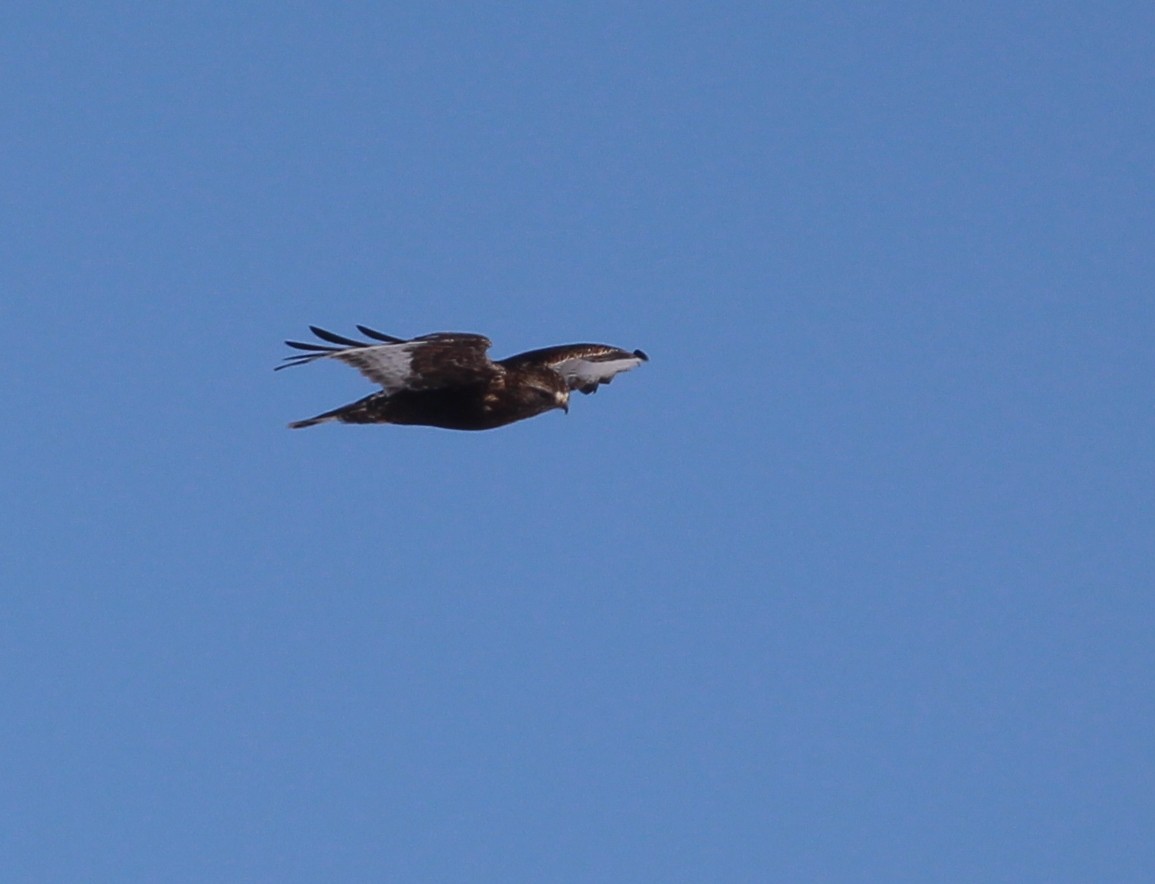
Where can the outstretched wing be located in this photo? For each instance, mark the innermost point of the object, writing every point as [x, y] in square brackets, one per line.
[444, 359]
[584, 366]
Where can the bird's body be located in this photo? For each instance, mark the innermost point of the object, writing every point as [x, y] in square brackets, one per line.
[447, 380]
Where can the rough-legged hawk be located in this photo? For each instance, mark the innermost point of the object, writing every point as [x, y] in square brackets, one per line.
[446, 380]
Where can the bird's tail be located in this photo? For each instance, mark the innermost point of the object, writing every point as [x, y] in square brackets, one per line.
[313, 421]
[363, 411]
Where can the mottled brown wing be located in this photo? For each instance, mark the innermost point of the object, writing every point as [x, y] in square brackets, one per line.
[443, 359]
[584, 366]
[450, 359]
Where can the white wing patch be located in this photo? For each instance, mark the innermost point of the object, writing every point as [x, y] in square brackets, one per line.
[389, 365]
[586, 372]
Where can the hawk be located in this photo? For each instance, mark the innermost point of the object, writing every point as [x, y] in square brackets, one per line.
[447, 380]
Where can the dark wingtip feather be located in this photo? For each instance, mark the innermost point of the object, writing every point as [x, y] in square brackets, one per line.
[304, 358]
[332, 338]
[379, 336]
[642, 356]
[290, 361]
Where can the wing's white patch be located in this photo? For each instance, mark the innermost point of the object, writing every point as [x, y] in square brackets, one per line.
[581, 372]
[389, 365]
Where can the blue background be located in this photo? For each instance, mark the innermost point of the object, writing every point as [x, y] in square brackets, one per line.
[851, 582]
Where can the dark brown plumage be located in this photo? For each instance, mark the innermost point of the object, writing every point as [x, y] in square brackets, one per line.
[447, 380]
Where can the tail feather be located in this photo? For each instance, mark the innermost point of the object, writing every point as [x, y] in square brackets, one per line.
[364, 411]
[313, 421]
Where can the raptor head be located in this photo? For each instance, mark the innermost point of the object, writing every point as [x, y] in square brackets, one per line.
[547, 387]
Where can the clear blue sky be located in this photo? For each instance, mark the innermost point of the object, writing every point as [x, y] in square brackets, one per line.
[851, 582]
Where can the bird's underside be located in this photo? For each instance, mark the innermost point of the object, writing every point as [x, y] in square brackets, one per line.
[447, 380]
[462, 408]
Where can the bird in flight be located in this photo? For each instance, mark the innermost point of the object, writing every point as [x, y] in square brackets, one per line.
[447, 380]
